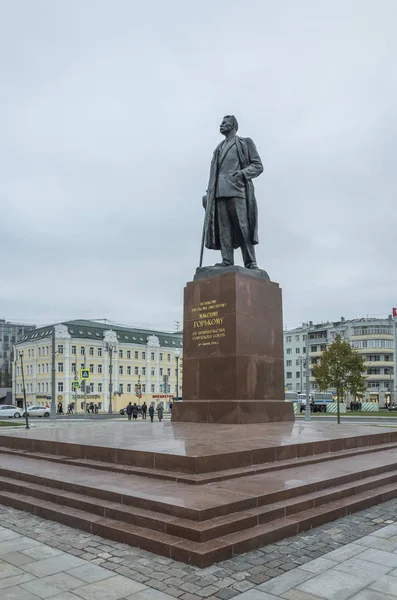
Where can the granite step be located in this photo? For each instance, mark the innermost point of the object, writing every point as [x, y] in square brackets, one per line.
[180, 500]
[205, 553]
[203, 478]
[196, 531]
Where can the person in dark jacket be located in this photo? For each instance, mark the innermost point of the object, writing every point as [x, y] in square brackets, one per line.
[144, 410]
[151, 412]
[160, 411]
[129, 411]
[135, 411]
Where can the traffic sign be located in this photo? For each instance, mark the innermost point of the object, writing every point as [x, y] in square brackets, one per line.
[84, 374]
[76, 384]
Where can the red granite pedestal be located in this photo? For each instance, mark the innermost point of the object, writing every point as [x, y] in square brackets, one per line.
[233, 363]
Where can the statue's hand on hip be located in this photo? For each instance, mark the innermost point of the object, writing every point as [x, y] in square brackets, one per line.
[205, 201]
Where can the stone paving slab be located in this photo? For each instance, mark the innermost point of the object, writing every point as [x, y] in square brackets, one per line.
[348, 558]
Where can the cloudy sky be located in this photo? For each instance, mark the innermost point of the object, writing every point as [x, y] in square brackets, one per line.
[109, 114]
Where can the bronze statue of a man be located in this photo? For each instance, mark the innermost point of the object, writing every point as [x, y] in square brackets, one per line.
[231, 218]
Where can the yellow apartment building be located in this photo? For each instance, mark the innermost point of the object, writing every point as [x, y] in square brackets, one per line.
[139, 357]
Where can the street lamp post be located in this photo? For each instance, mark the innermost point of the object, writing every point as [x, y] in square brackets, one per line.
[177, 355]
[53, 410]
[24, 393]
[110, 348]
[307, 408]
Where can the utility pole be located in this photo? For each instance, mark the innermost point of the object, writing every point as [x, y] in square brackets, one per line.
[307, 408]
[24, 392]
[110, 348]
[85, 386]
[53, 410]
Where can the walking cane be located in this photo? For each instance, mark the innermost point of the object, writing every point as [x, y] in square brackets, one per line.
[203, 235]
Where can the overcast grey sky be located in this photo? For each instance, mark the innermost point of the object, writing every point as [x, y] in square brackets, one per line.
[110, 112]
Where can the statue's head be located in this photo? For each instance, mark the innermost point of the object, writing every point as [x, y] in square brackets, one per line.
[229, 122]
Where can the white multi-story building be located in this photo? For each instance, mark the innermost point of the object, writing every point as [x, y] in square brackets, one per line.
[374, 339]
[139, 357]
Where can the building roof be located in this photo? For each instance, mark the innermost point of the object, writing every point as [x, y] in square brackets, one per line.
[94, 330]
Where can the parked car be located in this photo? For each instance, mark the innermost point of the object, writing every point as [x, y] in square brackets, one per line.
[10, 410]
[38, 411]
[123, 411]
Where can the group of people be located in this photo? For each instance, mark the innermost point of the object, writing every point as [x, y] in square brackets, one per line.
[133, 411]
[355, 405]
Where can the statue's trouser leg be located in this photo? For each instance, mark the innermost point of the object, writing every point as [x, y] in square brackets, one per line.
[237, 209]
[225, 230]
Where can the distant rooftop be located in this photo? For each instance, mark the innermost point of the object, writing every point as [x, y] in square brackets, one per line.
[83, 328]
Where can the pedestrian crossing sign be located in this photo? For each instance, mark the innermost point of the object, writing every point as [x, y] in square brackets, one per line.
[84, 374]
[76, 384]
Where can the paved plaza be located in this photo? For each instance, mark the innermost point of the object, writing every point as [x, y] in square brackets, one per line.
[354, 557]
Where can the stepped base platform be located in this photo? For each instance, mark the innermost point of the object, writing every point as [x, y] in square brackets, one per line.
[198, 493]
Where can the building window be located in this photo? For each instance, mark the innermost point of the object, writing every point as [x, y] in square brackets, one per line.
[288, 339]
[99, 369]
[169, 372]
[289, 350]
[39, 368]
[39, 351]
[28, 353]
[128, 388]
[297, 374]
[297, 338]
[74, 350]
[60, 386]
[60, 367]
[289, 375]
[143, 370]
[129, 354]
[136, 370]
[128, 370]
[144, 388]
[73, 367]
[143, 355]
[121, 370]
[153, 372]
[99, 351]
[100, 387]
[91, 351]
[161, 356]
[60, 348]
[161, 372]
[152, 355]
[297, 350]
[121, 353]
[136, 355]
[46, 387]
[46, 350]
[152, 387]
[169, 357]
[82, 350]
[121, 388]
[92, 368]
[47, 368]
[313, 349]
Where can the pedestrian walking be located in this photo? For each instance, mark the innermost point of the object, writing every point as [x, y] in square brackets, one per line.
[129, 411]
[135, 411]
[144, 410]
[160, 411]
[151, 412]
